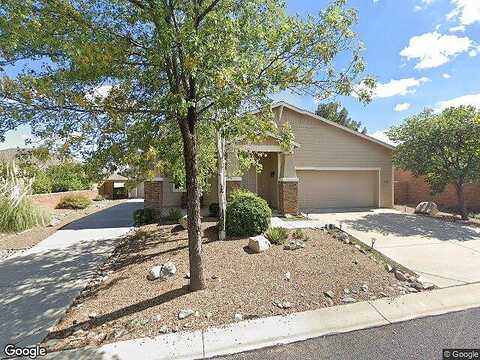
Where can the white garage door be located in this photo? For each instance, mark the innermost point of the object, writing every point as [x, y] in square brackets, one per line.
[337, 189]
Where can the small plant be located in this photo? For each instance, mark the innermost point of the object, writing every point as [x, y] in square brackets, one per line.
[174, 214]
[143, 217]
[214, 209]
[277, 235]
[247, 214]
[17, 213]
[75, 202]
[298, 234]
[99, 198]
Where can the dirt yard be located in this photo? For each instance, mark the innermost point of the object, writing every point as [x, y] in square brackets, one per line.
[120, 303]
[17, 242]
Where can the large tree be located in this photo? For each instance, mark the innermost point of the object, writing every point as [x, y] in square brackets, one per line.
[444, 147]
[114, 77]
[335, 112]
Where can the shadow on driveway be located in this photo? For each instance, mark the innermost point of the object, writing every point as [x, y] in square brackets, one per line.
[412, 225]
[38, 285]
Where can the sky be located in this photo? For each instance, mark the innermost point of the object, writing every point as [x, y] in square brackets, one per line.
[423, 53]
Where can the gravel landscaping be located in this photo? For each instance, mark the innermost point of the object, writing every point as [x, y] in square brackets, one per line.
[16, 242]
[122, 303]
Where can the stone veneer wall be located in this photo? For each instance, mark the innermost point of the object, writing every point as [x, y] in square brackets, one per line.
[288, 197]
[154, 196]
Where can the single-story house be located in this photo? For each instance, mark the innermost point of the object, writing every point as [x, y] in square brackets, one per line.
[331, 167]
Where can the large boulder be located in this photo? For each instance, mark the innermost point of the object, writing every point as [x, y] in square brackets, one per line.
[258, 244]
[427, 208]
[162, 272]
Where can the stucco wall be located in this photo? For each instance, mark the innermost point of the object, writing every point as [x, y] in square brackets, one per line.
[326, 146]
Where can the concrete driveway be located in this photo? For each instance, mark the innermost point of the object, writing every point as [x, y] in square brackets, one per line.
[444, 253]
[38, 285]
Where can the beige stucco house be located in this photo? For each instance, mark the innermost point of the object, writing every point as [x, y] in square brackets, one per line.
[331, 167]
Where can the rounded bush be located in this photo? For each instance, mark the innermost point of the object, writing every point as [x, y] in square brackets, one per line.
[74, 202]
[247, 214]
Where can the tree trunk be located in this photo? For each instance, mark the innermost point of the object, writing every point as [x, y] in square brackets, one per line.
[188, 129]
[461, 201]
[222, 184]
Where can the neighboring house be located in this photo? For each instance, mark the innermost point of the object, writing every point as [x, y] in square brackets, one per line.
[411, 190]
[114, 187]
[331, 167]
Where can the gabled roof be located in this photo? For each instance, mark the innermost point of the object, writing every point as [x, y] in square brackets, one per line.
[353, 132]
[116, 177]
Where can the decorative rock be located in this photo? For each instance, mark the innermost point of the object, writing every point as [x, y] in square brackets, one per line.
[283, 305]
[342, 236]
[330, 302]
[288, 276]
[54, 222]
[400, 275]
[184, 313]
[383, 294]
[427, 208]
[388, 267]
[208, 315]
[258, 244]
[164, 329]
[365, 287]
[187, 276]
[183, 221]
[294, 245]
[157, 318]
[92, 315]
[411, 289]
[329, 294]
[238, 317]
[214, 277]
[348, 300]
[162, 272]
[346, 291]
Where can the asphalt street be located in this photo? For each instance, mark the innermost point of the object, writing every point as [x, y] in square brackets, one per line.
[416, 339]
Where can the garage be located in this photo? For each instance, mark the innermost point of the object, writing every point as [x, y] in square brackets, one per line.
[332, 189]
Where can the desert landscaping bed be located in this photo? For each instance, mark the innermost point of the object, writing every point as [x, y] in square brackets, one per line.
[121, 303]
[18, 242]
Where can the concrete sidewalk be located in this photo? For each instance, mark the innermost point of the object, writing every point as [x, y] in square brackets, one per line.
[277, 330]
[38, 285]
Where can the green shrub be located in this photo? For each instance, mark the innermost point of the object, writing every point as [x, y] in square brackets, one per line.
[298, 234]
[17, 213]
[214, 209]
[68, 176]
[247, 214]
[42, 184]
[174, 214]
[277, 235]
[143, 217]
[74, 202]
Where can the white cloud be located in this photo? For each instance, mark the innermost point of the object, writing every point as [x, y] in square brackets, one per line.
[459, 28]
[446, 76]
[382, 136]
[434, 49]
[472, 99]
[466, 11]
[398, 87]
[402, 107]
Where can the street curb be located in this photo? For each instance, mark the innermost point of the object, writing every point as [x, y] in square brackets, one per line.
[277, 330]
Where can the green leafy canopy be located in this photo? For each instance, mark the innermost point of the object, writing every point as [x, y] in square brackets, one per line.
[113, 79]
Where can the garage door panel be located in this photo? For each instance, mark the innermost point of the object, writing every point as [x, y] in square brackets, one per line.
[337, 189]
